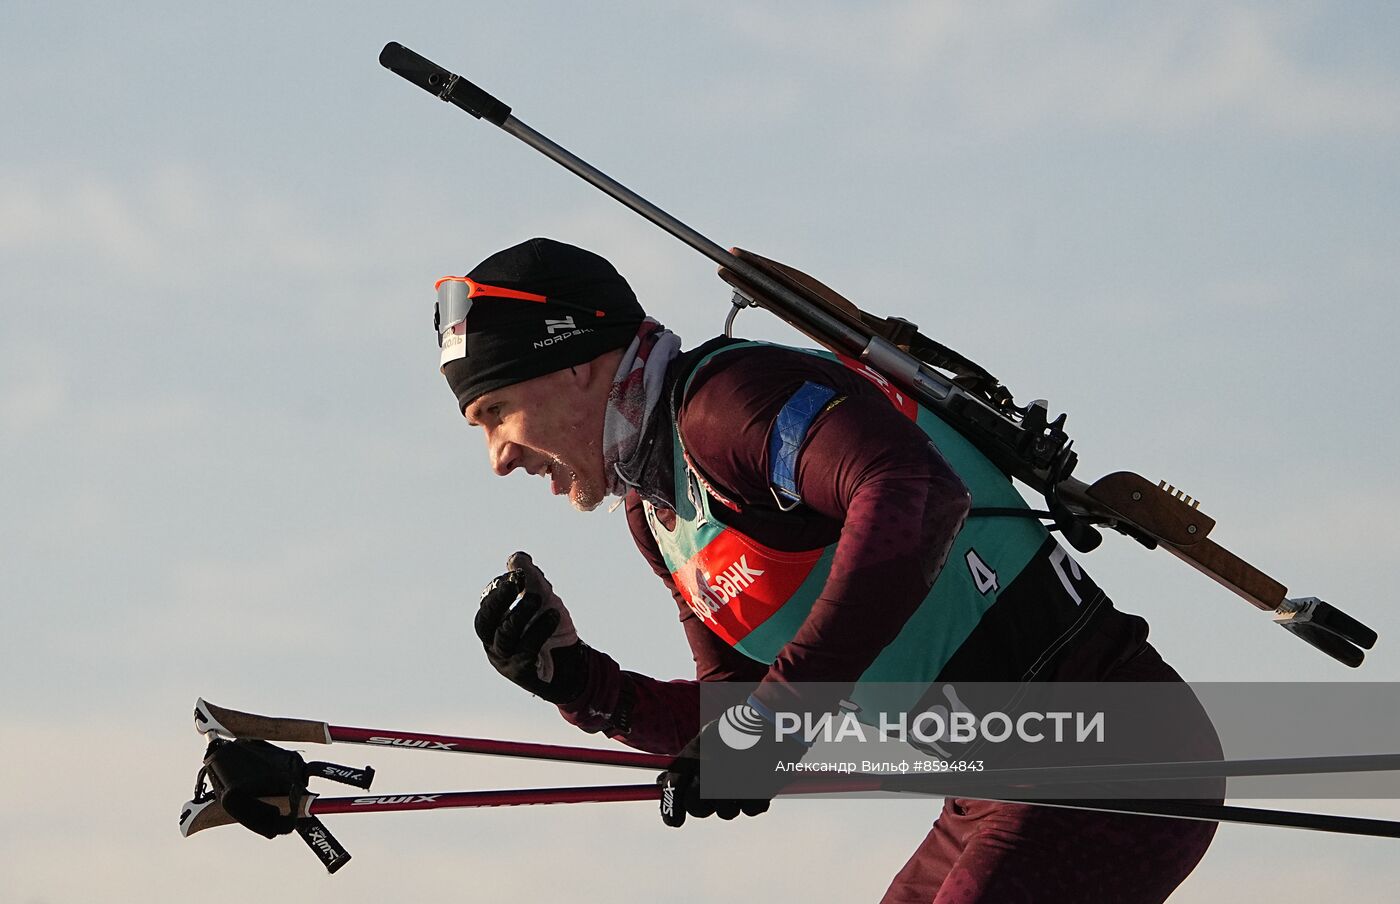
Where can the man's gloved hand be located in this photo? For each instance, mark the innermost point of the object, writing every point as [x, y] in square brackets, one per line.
[528, 634]
[753, 768]
[243, 772]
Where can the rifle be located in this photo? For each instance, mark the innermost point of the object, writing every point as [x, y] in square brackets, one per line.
[1019, 439]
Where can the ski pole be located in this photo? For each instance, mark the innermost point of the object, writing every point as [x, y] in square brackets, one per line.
[198, 816]
[218, 721]
[1257, 816]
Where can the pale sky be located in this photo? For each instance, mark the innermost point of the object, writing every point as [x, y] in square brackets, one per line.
[229, 466]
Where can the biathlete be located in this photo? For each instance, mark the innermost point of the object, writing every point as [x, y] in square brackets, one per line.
[812, 525]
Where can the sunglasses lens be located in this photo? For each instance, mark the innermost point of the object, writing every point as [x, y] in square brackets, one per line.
[451, 318]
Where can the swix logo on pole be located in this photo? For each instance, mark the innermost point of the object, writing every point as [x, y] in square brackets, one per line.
[395, 799]
[390, 741]
[342, 773]
[714, 593]
[668, 801]
[354, 775]
[316, 837]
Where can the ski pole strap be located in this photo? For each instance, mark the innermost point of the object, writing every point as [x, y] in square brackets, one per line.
[346, 775]
[322, 843]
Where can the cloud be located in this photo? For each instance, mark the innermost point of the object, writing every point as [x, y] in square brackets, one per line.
[1166, 68]
[33, 392]
[171, 227]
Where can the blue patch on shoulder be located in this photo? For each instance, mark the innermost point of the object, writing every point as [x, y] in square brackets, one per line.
[789, 430]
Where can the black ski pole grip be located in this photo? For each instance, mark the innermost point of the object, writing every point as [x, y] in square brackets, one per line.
[445, 85]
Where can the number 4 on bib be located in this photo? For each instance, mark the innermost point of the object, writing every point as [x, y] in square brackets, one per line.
[982, 574]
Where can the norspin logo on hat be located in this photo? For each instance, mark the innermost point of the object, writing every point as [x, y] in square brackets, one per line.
[529, 310]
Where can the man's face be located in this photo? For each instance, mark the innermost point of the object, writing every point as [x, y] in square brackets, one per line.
[552, 427]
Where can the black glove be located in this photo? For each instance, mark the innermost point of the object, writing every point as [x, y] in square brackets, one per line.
[756, 769]
[244, 771]
[528, 634]
[241, 772]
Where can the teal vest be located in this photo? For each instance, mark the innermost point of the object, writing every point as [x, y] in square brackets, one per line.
[755, 598]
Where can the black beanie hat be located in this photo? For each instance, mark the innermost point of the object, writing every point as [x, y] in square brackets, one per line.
[589, 309]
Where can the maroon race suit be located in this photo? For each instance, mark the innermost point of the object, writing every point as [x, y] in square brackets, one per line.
[871, 483]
